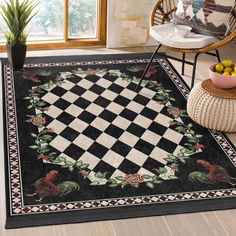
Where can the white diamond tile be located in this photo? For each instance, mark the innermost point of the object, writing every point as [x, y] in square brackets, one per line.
[78, 125]
[60, 143]
[74, 110]
[50, 97]
[88, 158]
[53, 111]
[106, 140]
[70, 97]
[83, 141]
[142, 121]
[57, 126]
[137, 157]
[113, 158]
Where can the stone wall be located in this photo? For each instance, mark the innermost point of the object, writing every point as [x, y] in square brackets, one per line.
[128, 23]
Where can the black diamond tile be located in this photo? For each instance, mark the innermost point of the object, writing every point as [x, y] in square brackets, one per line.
[167, 145]
[141, 99]
[91, 77]
[59, 91]
[122, 100]
[48, 118]
[116, 88]
[65, 118]
[92, 132]
[128, 167]
[151, 164]
[144, 146]
[87, 117]
[128, 114]
[62, 104]
[121, 148]
[102, 102]
[78, 90]
[136, 130]
[114, 131]
[75, 79]
[104, 167]
[81, 102]
[98, 150]
[97, 89]
[157, 128]
[110, 78]
[132, 86]
[74, 151]
[69, 134]
[149, 113]
[108, 115]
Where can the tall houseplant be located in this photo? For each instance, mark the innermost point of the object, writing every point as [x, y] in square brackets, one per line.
[17, 14]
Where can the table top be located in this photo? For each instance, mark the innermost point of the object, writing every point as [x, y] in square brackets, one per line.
[210, 88]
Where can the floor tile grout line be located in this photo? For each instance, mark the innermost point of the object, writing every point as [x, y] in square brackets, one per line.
[221, 223]
[167, 226]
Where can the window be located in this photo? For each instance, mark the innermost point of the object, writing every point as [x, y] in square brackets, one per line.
[65, 23]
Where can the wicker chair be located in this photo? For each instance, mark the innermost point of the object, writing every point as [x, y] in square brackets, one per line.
[162, 13]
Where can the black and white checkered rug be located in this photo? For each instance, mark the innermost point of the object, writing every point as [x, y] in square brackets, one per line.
[103, 122]
[82, 141]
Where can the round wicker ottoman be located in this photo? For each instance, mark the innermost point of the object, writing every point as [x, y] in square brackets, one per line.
[212, 107]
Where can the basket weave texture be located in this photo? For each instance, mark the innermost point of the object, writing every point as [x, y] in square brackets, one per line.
[213, 112]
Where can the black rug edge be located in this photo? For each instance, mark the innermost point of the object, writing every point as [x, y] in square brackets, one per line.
[73, 217]
[88, 57]
[13, 222]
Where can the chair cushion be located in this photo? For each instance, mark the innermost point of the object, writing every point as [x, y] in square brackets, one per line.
[209, 17]
[165, 34]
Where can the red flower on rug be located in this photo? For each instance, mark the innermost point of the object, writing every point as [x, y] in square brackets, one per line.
[198, 146]
[43, 157]
[38, 120]
[83, 172]
[175, 111]
[90, 72]
[150, 72]
[134, 179]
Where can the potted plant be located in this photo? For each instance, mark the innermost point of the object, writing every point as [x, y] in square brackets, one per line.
[17, 14]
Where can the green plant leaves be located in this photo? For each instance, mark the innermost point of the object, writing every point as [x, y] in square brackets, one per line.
[160, 170]
[121, 178]
[100, 175]
[94, 183]
[17, 14]
[150, 185]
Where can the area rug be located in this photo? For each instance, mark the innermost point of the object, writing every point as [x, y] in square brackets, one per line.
[81, 145]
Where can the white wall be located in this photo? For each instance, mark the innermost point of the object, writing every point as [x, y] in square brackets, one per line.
[128, 23]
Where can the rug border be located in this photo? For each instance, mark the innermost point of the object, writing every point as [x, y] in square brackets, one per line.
[119, 213]
[110, 213]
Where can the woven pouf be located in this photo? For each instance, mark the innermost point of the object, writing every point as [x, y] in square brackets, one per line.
[212, 107]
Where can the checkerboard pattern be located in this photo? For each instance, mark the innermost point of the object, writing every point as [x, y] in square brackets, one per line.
[104, 123]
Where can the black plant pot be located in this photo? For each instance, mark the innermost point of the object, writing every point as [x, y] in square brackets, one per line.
[16, 55]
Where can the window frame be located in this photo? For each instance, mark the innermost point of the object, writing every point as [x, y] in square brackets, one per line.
[100, 38]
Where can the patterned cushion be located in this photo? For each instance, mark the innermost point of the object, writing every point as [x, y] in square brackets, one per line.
[209, 17]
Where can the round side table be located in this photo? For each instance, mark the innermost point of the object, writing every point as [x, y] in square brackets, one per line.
[212, 107]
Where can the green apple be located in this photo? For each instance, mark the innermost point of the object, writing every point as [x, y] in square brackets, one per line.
[228, 69]
[227, 63]
[233, 73]
[219, 67]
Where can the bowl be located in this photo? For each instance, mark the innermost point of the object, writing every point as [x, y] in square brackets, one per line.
[182, 30]
[221, 81]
